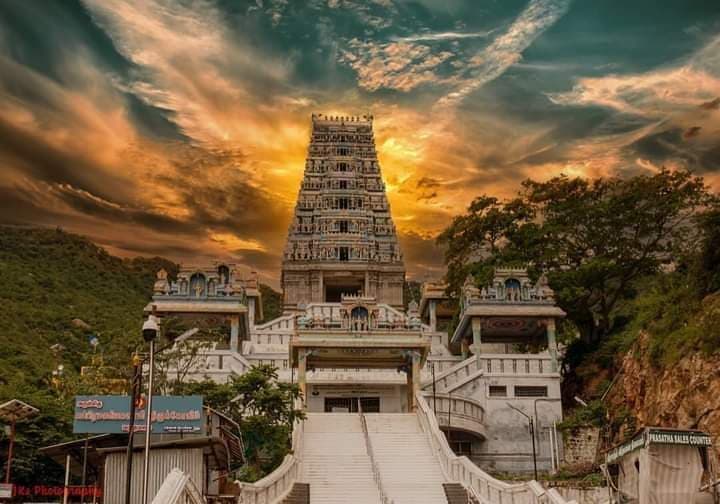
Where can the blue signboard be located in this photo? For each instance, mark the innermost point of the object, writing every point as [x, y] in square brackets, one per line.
[111, 415]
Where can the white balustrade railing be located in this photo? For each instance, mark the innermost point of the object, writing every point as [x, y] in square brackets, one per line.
[484, 487]
[461, 370]
[516, 364]
[373, 461]
[279, 482]
[286, 323]
[225, 360]
[178, 488]
[493, 364]
[271, 338]
[462, 408]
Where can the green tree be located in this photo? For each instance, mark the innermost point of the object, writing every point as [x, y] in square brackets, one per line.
[592, 237]
[708, 263]
[263, 407]
[271, 302]
[59, 288]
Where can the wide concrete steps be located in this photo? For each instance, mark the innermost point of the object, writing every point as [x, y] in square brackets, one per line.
[457, 494]
[333, 422]
[335, 460]
[410, 472]
[299, 494]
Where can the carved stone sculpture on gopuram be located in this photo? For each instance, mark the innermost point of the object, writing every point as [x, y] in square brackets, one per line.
[342, 239]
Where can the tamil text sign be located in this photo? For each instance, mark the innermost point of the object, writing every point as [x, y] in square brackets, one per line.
[660, 436]
[688, 438]
[111, 415]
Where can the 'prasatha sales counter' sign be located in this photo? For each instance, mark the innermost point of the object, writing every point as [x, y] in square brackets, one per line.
[111, 415]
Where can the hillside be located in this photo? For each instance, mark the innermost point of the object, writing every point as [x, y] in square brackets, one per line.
[60, 288]
[661, 367]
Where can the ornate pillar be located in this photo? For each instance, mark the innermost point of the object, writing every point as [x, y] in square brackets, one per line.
[366, 290]
[234, 333]
[433, 315]
[552, 344]
[251, 311]
[302, 374]
[415, 367]
[322, 287]
[477, 335]
[409, 388]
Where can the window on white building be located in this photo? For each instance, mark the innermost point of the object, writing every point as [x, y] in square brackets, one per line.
[530, 391]
[497, 391]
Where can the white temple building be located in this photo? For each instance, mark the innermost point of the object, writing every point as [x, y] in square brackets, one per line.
[380, 382]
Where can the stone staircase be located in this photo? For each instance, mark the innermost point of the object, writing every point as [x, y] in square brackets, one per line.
[411, 474]
[336, 464]
[299, 494]
[458, 494]
[456, 376]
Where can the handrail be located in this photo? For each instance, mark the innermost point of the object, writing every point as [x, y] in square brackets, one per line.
[279, 482]
[452, 370]
[373, 463]
[178, 488]
[269, 323]
[483, 486]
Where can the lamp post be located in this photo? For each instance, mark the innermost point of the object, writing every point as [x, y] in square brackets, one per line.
[134, 392]
[432, 370]
[150, 331]
[532, 435]
[449, 434]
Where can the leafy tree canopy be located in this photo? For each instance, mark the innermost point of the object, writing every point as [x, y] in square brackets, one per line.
[265, 409]
[592, 237]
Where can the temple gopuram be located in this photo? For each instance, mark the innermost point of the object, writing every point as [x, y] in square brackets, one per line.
[476, 371]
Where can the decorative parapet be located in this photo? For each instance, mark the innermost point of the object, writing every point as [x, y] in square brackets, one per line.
[219, 281]
[465, 413]
[357, 313]
[363, 119]
[509, 286]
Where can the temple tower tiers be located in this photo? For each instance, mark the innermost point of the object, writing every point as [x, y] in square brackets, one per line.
[342, 238]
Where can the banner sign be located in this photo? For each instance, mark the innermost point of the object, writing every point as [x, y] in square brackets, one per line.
[688, 438]
[660, 436]
[111, 415]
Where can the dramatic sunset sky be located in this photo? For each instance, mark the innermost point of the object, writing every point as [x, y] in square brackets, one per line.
[179, 128]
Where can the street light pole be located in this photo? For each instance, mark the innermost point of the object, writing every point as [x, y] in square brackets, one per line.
[532, 434]
[148, 426]
[432, 370]
[449, 434]
[134, 392]
[150, 331]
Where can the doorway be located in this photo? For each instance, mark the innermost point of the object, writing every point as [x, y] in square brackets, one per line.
[350, 404]
[334, 292]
